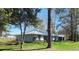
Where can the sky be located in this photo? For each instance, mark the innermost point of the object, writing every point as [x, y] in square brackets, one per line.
[42, 15]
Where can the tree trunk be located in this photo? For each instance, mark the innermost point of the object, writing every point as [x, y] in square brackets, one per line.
[72, 27]
[24, 31]
[49, 28]
[75, 25]
[21, 40]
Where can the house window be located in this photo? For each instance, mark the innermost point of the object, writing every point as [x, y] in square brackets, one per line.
[34, 38]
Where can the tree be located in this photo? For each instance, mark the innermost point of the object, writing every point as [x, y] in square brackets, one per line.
[23, 17]
[49, 28]
[40, 25]
[69, 19]
[3, 21]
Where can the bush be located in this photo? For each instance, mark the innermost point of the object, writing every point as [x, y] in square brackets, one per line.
[8, 42]
[12, 42]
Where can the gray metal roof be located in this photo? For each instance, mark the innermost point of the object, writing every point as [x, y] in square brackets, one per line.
[36, 31]
[39, 32]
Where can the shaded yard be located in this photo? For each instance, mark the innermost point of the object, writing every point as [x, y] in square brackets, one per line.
[40, 46]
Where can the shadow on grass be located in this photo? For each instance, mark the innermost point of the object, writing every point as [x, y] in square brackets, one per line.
[32, 49]
[10, 49]
[6, 49]
[35, 49]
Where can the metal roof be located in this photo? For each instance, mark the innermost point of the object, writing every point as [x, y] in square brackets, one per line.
[35, 31]
[39, 32]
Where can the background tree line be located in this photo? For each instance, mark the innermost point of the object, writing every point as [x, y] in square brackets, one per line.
[69, 18]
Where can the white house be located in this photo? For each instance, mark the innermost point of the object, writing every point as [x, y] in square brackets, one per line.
[34, 35]
[38, 35]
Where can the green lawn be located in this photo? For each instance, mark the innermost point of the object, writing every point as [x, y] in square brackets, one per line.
[56, 46]
[68, 45]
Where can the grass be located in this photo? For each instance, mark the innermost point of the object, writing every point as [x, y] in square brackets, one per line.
[8, 45]
[34, 46]
[56, 46]
[68, 45]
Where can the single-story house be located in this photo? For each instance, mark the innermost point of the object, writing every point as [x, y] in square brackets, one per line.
[38, 35]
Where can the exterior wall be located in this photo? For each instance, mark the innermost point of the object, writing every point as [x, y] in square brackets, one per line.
[31, 38]
[54, 38]
[28, 39]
